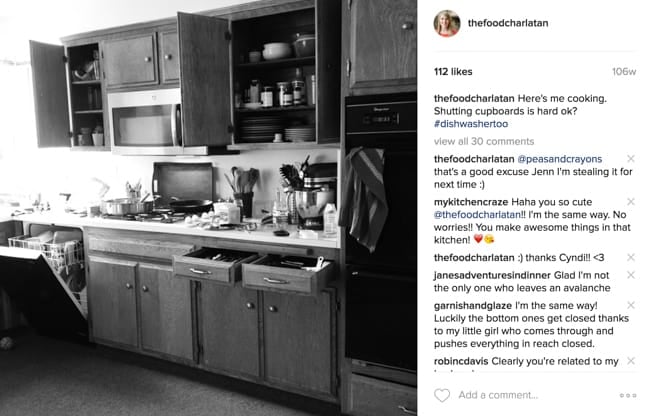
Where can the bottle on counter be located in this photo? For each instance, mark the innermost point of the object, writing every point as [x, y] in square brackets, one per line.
[280, 212]
[330, 227]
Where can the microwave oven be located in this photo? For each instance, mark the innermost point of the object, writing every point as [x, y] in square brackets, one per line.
[148, 122]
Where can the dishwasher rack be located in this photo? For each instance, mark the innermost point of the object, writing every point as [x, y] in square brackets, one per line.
[67, 260]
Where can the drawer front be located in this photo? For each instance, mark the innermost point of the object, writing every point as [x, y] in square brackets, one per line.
[263, 277]
[163, 250]
[198, 265]
[370, 397]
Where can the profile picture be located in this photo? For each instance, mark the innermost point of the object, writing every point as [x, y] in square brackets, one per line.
[446, 23]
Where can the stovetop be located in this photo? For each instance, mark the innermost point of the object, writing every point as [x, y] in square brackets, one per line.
[163, 217]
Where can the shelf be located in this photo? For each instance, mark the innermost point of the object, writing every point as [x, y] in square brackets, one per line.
[275, 109]
[88, 82]
[100, 111]
[279, 63]
[282, 146]
[90, 148]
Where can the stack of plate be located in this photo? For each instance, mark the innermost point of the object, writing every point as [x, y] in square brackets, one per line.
[260, 129]
[300, 134]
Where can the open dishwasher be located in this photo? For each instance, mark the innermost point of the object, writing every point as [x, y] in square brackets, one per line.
[43, 273]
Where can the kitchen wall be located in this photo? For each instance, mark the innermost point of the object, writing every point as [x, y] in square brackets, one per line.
[26, 170]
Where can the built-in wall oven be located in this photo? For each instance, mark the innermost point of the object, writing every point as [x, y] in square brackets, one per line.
[381, 286]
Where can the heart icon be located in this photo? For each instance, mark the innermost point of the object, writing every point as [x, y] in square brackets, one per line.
[478, 237]
[442, 394]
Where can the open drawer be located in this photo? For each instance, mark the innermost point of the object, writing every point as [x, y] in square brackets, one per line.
[213, 264]
[288, 274]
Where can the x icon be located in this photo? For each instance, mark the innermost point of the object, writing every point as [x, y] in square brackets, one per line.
[630, 361]
[630, 158]
[630, 305]
[630, 201]
[630, 275]
[630, 257]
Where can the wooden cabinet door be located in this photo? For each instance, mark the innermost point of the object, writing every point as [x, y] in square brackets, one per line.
[165, 311]
[205, 80]
[383, 43]
[298, 339]
[50, 95]
[131, 62]
[229, 328]
[112, 300]
[170, 69]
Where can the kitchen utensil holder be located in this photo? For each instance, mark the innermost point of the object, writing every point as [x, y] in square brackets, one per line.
[247, 201]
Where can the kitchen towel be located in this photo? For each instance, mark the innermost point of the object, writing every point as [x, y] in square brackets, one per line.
[364, 208]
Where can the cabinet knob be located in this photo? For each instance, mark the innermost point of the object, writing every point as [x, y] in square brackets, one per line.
[145, 289]
[147, 58]
[250, 305]
[407, 26]
[273, 309]
[168, 56]
[129, 286]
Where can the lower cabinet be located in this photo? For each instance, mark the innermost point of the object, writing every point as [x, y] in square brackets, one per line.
[112, 300]
[297, 341]
[129, 298]
[228, 334]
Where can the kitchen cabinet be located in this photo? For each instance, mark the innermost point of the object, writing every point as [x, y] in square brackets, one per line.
[228, 317]
[68, 93]
[170, 70]
[112, 300]
[134, 301]
[319, 111]
[299, 341]
[146, 57]
[131, 61]
[379, 46]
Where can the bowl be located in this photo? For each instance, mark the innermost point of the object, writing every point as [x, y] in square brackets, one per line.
[276, 50]
[254, 56]
[311, 203]
[305, 46]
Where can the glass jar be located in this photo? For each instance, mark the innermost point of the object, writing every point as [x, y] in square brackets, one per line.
[267, 97]
[285, 96]
[298, 92]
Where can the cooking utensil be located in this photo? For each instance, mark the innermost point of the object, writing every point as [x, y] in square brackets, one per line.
[230, 183]
[146, 195]
[190, 205]
[311, 203]
[123, 206]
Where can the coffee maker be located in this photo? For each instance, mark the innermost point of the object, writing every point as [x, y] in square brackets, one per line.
[319, 190]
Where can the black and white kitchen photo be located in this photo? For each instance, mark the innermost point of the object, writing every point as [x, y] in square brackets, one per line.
[209, 207]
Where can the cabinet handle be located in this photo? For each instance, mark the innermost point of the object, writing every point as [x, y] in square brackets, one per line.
[250, 305]
[273, 309]
[276, 281]
[129, 286]
[407, 410]
[147, 58]
[199, 271]
[145, 289]
[407, 26]
[168, 56]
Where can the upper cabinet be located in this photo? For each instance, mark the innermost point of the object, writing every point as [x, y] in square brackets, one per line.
[380, 46]
[68, 95]
[147, 57]
[289, 88]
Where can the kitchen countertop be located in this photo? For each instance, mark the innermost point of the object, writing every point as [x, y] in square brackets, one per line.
[264, 235]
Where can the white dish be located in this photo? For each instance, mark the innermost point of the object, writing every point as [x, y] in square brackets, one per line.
[252, 106]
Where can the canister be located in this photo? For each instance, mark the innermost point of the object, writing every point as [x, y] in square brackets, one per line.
[267, 97]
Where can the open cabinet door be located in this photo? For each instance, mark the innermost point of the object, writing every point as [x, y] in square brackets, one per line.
[205, 80]
[50, 95]
[40, 294]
